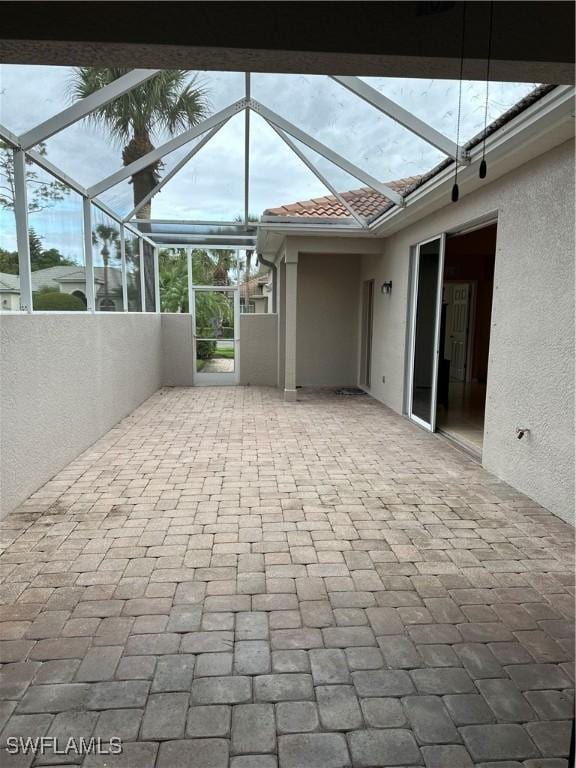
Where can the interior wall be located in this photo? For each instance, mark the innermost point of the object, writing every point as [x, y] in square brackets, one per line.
[328, 319]
[531, 365]
[470, 258]
[66, 379]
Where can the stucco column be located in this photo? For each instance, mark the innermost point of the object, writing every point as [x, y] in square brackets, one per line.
[291, 303]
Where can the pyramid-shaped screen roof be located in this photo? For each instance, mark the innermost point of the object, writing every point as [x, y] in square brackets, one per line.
[254, 143]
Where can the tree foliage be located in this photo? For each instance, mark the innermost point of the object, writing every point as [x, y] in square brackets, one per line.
[41, 193]
[107, 238]
[214, 310]
[40, 258]
[173, 273]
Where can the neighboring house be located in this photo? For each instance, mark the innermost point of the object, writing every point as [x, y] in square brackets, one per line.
[255, 295]
[458, 315]
[66, 279]
[9, 292]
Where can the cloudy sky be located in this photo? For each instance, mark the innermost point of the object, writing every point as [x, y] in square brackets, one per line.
[211, 186]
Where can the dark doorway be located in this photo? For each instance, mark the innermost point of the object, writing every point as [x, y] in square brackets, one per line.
[468, 284]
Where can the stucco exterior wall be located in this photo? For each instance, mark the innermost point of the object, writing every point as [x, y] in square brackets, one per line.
[531, 364]
[259, 349]
[177, 350]
[327, 333]
[65, 380]
[9, 302]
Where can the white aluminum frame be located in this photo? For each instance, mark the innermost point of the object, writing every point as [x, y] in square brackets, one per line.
[247, 150]
[123, 270]
[84, 107]
[178, 167]
[207, 246]
[142, 277]
[208, 128]
[310, 165]
[431, 426]
[234, 240]
[9, 137]
[272, 117]
[191, 222]
[56, 172]
[155, 255]
[190, 290]
[165, 149]
[22, 230]
[402, 116]
[200, 379]
[88, 256]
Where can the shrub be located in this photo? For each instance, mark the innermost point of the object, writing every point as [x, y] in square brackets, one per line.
[205, 349]
[54, 301]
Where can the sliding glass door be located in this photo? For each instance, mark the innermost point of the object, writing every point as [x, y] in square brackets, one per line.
[425, 332]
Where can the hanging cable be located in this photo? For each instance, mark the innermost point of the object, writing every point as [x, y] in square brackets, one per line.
[483, 167]
[455, 189]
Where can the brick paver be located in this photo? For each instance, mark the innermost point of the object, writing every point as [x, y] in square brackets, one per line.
[229, 580]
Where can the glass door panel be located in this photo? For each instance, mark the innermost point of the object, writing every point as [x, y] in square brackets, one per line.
[215, 323]
[426, 305]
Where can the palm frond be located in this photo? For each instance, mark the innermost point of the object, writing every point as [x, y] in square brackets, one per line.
[167, 103]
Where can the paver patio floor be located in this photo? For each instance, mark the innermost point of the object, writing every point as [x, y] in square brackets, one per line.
[228, 579]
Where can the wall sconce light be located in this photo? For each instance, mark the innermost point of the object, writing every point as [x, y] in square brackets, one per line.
[386, 287]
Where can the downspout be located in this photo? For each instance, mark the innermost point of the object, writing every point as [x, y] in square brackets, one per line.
[272, 266]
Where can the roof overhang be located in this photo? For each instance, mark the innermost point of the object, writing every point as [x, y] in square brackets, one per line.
[532, 41]
[542, 126]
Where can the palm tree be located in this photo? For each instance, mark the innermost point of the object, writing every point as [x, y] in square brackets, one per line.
[223, 262]
[173, 271]
[168, 103]
[252, 219]
[108, 237]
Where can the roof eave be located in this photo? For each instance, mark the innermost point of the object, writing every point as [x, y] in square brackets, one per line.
[541, 126]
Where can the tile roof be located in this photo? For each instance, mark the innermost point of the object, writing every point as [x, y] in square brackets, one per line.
[9, 282]
[365, 201]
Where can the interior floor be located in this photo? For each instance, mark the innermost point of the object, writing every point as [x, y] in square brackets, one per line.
[464, 418]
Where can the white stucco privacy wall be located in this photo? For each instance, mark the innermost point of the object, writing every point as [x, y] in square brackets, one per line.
[531, 365]
[65, 380]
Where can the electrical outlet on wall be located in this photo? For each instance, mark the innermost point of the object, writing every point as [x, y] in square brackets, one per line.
[383, 379]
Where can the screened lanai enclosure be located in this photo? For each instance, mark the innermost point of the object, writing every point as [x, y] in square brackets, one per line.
[110, 196]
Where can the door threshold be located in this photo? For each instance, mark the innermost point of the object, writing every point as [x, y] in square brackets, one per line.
[471, 450]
